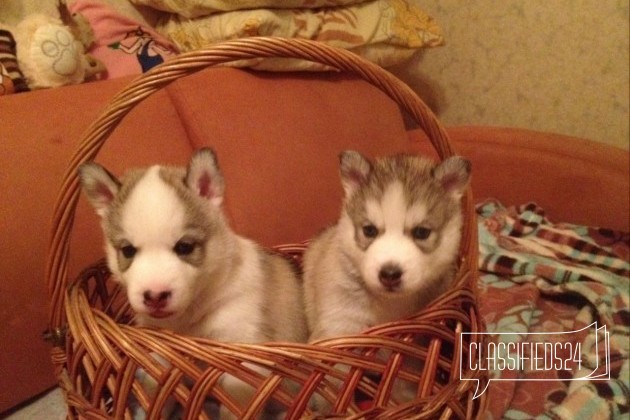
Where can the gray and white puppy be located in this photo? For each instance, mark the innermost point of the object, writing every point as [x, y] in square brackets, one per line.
[394, 248]
[168, 243]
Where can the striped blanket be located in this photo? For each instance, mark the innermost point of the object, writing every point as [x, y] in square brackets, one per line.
[570, 283]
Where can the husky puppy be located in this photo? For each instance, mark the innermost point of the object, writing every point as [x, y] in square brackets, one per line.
[168, 243]
[394, 248]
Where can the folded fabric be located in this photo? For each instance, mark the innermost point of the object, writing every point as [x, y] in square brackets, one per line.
[386, 32]
[123, 45]
[198, 8]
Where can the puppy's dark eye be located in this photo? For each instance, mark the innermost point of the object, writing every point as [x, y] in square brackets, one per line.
[370, 231]
[129, 251]
[420, 233]
[183, 248]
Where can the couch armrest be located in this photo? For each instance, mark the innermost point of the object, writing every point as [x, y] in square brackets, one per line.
[574, 180]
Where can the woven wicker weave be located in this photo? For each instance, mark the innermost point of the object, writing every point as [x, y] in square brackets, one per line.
[97, 352]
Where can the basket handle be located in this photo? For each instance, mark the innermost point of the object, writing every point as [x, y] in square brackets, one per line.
[191, 62]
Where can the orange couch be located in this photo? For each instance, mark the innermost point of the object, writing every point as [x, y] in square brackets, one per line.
[277, 137]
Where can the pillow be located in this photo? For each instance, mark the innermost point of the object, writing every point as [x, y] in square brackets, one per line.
[386, 32]
[124, 45]
[198, 8]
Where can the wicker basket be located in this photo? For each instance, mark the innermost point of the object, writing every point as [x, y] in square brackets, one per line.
[97, 352]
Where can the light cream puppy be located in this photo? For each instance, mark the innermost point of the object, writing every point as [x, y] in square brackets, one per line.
[168, 243]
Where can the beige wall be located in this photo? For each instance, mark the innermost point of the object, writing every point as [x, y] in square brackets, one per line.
[550, 65]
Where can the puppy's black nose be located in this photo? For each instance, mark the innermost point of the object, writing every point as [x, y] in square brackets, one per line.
[390, 275]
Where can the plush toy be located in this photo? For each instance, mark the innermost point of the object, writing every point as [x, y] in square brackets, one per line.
[51, 53]
[11, 78]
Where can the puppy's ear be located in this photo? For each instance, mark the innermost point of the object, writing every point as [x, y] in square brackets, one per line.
[204, 177]
[354, 170]
[99, 186]
[453, 174]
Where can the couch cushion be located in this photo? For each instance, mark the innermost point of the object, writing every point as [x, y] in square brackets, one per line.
[278, 139]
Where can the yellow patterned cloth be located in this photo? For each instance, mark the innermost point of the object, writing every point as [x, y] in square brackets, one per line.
[196, 8]
[386, 32]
